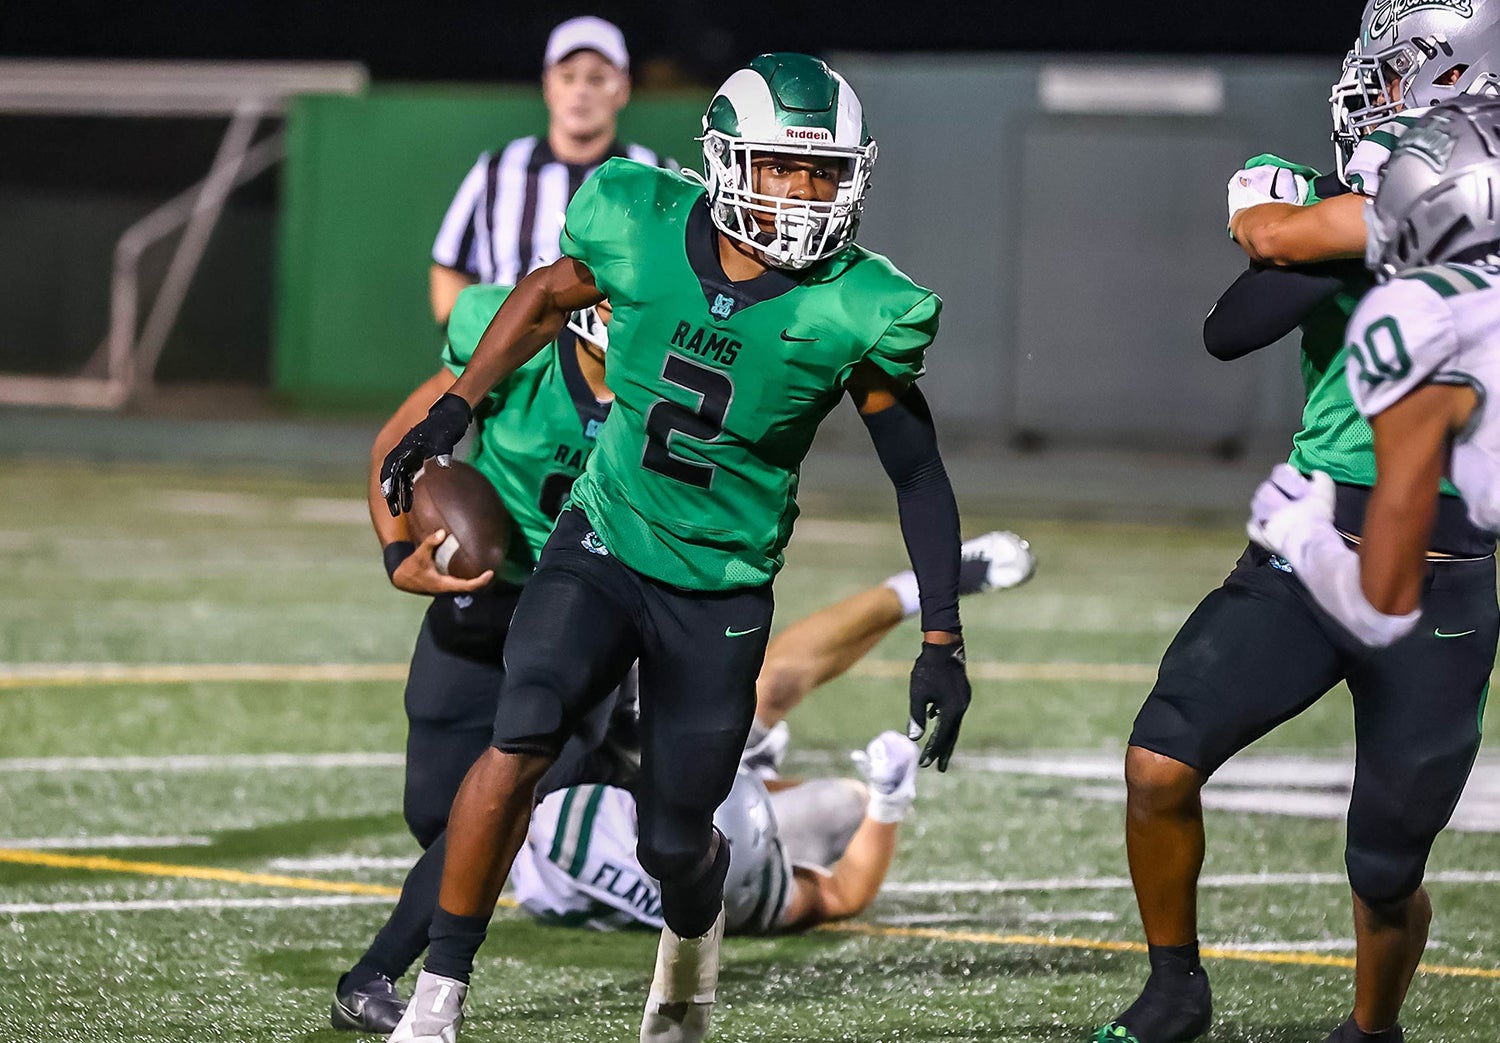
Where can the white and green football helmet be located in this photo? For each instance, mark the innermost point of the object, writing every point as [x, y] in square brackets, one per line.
[790, 104]
[588, 325]
[1412, 54]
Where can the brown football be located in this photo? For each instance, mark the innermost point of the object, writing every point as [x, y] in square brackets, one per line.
[461, 501]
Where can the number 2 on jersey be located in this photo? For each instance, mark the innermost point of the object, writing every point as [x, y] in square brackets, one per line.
[705, 423]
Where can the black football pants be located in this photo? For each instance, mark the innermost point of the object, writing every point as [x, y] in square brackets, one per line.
[583, 619]
[1258, 651]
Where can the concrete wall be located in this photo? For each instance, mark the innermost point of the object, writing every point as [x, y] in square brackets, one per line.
[1078, 250]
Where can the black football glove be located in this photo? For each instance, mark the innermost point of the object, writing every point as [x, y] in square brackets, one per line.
[446, 423]
[939, 690]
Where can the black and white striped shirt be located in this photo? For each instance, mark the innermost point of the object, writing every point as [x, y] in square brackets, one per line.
[508, 214]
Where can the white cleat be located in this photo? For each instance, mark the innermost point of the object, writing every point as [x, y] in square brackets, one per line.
[681, 1000]
[889, 765]
[995, 561]
[434, 1013]
[763, 759]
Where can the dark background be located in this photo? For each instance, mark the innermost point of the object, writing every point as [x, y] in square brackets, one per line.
[703, 39]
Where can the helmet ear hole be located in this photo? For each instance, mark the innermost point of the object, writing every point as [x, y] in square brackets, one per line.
[1450, 76]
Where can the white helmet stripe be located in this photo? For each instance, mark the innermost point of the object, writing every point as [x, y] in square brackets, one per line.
[754, 107]
[851, 115]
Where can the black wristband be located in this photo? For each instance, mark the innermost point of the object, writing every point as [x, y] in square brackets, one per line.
[395, 553]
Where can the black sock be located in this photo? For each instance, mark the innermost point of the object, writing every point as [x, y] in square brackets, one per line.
[403, 937]
[690, 907]
[452, 943]
[1350, 1032]
[1174, 961]
[1176, 1004]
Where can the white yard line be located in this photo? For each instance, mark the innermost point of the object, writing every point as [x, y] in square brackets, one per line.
[101, 843]
[340, 863]
[202, 762]
[146, 905]
[48, 675]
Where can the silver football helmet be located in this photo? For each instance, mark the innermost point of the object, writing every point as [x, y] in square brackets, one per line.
[749, 824]
[1438, 194]
[1411, 54]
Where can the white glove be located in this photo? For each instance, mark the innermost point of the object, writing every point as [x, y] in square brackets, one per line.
[1293, 516]
[1288, 510]
[889, 765]
[1269, 183]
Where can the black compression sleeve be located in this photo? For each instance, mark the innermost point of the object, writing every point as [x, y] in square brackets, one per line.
[906, 442]
[1265, 304]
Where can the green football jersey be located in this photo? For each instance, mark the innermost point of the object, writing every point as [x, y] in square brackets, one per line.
[719, 386]
[1335, 438]
[533, 433]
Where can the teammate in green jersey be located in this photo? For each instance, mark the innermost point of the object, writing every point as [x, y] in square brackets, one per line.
[743, 312]
[1259, 650]
[532, 436]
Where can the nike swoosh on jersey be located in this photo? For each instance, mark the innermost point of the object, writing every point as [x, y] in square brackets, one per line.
[730, 632]
[787, 336]
[1439, 633]
[1276, 177]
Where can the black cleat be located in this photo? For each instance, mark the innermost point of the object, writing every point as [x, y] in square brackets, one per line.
[1171, 1009]
[374, 1006]
[1350, 1032]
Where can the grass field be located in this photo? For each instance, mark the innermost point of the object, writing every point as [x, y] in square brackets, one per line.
[195, 853]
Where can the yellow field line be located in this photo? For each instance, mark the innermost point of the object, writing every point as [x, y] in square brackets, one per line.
[66, 675]
[102, 864]
[1301, 959]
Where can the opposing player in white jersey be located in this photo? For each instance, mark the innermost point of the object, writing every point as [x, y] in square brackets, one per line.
[801, 853]
[1424, 348]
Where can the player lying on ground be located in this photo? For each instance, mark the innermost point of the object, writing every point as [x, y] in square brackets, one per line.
[801, 853]
[531, 440]
[1258, 651]
[824, 645]
[742, 314]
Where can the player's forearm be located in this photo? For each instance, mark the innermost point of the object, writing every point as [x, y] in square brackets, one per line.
[856, 878]
[1393, 550]
[1285, 234]
[905, 439]
[531, 317]
[525, 323]
[1262, 306]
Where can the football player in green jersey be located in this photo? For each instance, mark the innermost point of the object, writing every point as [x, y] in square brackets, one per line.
[743, 312]
[1259, 650]
[534, 435]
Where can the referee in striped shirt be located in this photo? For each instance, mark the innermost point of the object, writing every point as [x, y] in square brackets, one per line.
[507, 216]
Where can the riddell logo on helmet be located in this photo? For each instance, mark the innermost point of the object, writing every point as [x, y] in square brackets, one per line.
[806, 134]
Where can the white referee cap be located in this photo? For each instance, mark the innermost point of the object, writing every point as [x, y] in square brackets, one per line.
[588, 33]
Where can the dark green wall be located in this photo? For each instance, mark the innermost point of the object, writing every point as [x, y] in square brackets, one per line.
[365, 185]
